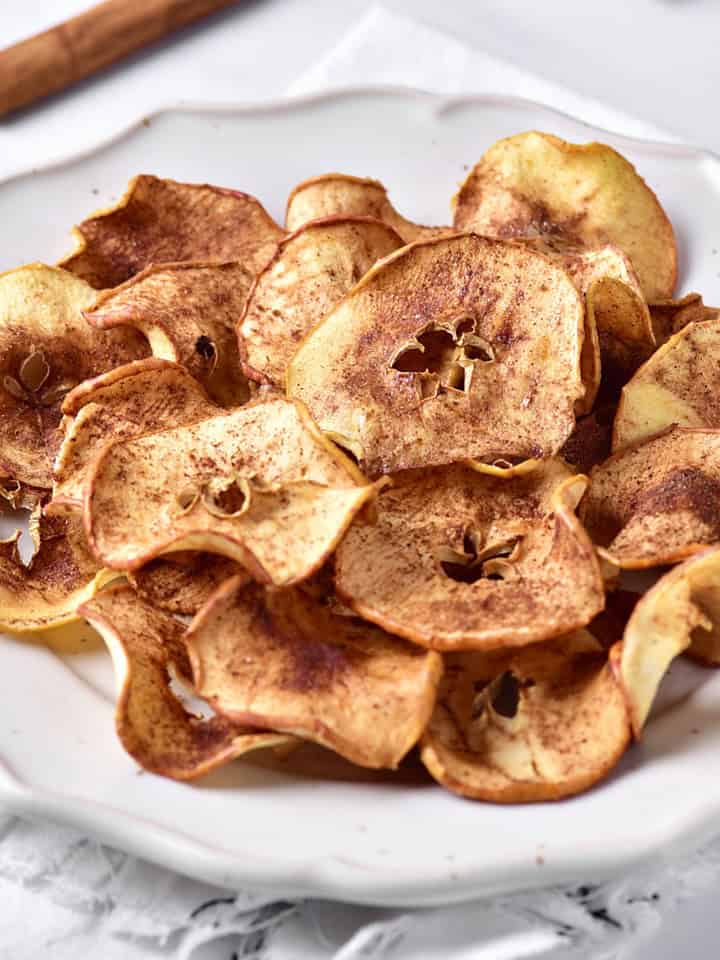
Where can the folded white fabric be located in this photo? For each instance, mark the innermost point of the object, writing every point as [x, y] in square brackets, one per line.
[88, 900]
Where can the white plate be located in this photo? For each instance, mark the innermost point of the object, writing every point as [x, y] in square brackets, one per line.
[366, 842]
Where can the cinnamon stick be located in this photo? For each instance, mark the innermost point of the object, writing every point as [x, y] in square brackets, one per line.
[59, 57]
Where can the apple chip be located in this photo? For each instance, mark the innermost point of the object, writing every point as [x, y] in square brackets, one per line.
[450, 349]
[281, 660]
[151, 722]
[162, 221]
[671, 316]
[188, 312]
[658, 501]
[459, 560]
[260, 485]
[310, 273]
[61, 575]
[680, 383]
[534, 184]
[46, 348]
[140, 397]
[680, 612]
[544, 723]
[589, 443]
[337, 194]
[182, 582]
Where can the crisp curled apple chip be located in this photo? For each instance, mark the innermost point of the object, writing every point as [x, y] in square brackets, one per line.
[284, 661]
[459, 560]
[259, 485]
[337, 194]
[46, 348]
[451, 349]
[680, 612]
[537, 185]
[188, 312]
[680, 383]
[61, 575]
[162, 221]
[136, 398]
[671, 316]
[309, 274]
[658, 501]
[540, 724]
[181, 583]
[151, 722]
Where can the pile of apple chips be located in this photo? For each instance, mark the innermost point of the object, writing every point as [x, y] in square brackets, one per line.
[371, 484]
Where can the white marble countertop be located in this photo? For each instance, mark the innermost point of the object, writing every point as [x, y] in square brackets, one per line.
[654, 59]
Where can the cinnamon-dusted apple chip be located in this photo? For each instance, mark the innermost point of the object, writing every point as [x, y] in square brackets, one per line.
[338, 194]
[451, 349]
[188, 312]
[60, 576]
[181, 583]
[281, 660]
[534, 184]
[671, 316]
[309, 274]
[680, 612]
[46, 348]
[151, 722]
[162, 221]
[136, 398]
[459, 560]
[539, 724]
[657, 501]
[260, 485]
[680, 383]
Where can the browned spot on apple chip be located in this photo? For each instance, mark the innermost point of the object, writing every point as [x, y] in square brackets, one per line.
[340, 195]
[680, 383]
[188, 312]
[260, 485]
[310, 273]
[46, 348]
[60, 576]
[658, 501]
[540, 724]
[461, 560]
[451, 349]
[162, 221]
[182, 583]
[680, 612]
[537, 185]
[140, 397]
[671, 316]
[151, 722]
[279, 659]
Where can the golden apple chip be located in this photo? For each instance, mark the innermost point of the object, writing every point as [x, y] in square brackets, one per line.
[60, 576]
[260, 485]
[680, 383]
[310, 273]
[46, 348]
[681, 611]
[459, 560]
[337, 194]
[544, 723]
[534, 184]
[671, 316]
[451, 349]
[188, 312]
[151, 722]
[162, 221]
[281, 660]
[181, 583]
[658, 501]
[140, 397]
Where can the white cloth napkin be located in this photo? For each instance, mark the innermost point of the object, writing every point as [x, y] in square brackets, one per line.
[87, 900]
